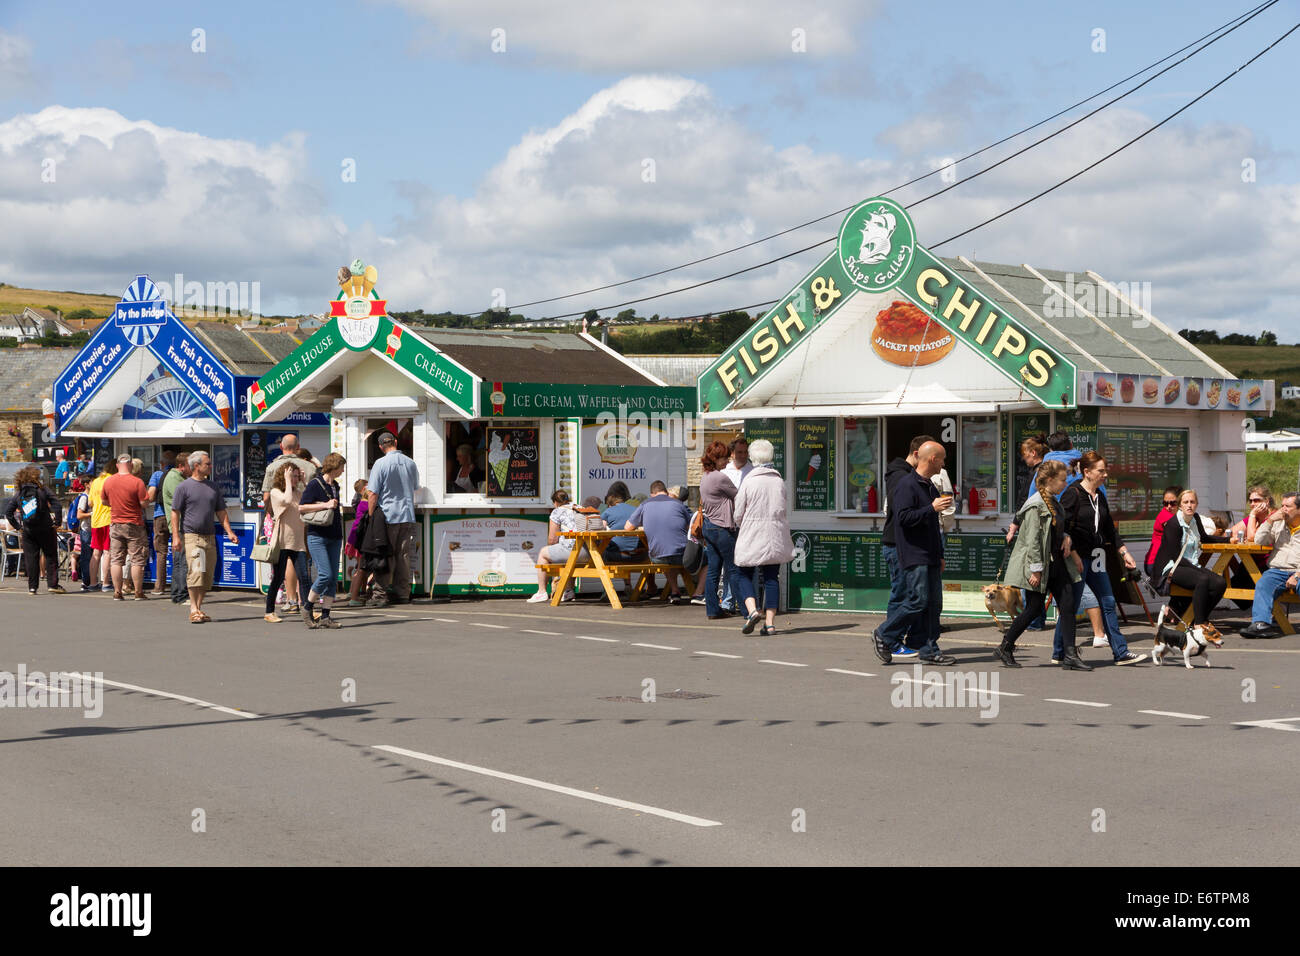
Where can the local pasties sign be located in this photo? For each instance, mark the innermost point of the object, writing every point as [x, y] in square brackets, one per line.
[877, 252]
[367, 329]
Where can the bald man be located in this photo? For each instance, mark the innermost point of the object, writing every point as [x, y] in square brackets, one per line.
[920, 555]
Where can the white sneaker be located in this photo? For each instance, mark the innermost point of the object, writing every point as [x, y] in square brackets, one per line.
[539, 597]
[1100, 641]
[568, 596]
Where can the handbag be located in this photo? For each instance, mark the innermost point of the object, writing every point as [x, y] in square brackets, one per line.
[322, 517]
[697, 524]
[692, 557]
[268, 552]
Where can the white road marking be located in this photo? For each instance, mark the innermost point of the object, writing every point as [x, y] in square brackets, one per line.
[181, 697]
[1174, 713]
[448, 620]
[972, 690]
[658, 647]
[499, 627]
[734, 657]
[1277, 723]
[47, 688]
[1081, 703]
[783, 663]
[547, 633]
[554, 787]
[840, 670]
[607, 640]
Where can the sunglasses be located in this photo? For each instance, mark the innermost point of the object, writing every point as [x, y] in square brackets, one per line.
[1171, 501]
[1255, 501]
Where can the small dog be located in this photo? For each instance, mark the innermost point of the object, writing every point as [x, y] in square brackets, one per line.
[1193, 641]
[999, 597]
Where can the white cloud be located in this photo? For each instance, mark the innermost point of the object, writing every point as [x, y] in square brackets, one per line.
[16, 72]
[129, 196]
[665, 35]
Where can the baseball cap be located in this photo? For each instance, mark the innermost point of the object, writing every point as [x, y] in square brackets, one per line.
[123, 457]
[386, 438]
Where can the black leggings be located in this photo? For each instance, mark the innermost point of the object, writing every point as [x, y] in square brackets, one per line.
[1207, 588]
[299, 559]
[35, 544]
[1062, 591]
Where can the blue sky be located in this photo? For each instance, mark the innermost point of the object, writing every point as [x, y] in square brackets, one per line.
[479, 170]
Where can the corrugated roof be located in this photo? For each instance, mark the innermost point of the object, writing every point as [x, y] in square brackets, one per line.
[563, 358]
[27, 376]
[674, 369]
[280, 346]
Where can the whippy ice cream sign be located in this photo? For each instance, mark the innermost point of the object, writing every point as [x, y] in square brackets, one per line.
[143, 320]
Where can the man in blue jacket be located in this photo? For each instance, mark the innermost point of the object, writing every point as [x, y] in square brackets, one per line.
[920, 555]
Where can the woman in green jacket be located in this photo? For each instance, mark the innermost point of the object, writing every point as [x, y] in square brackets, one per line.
[1041, 564]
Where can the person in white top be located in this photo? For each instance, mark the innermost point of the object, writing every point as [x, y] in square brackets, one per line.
[943, 483]
[739, 466]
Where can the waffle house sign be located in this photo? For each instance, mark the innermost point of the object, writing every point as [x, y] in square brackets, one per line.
[877, 255]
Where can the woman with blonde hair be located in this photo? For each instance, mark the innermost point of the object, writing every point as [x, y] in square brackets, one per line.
[1040, 565]
[1179, 558]
[291, 535]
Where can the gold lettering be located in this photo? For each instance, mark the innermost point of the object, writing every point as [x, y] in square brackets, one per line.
[1009, 341]
[765, 346]
[793, 320]
[931, 298]
[727, 372]
[967, 311]
[984, 329]
[1041, 363]
[749, 362]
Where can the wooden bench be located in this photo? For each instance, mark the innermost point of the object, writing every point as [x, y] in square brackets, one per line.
[624, 571]
[1280, 617]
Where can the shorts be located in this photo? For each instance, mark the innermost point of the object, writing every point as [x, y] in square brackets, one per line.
[560, 549]
[200, 560]
[1088, 601]
[128, 540]
[99, 538]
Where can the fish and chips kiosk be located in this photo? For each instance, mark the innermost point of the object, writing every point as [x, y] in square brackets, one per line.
[883, 341]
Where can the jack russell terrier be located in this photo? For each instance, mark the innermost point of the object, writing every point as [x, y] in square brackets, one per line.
[1193, 641]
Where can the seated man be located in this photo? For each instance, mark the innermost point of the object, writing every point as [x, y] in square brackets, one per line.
[666, 520]
[1279, 529]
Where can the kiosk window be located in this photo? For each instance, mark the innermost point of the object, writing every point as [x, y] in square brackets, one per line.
[497, 459]
[979, 462]
[401, 428]
[900, 430]
[862, 463]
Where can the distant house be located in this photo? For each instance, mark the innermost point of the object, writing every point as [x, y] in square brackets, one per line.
[33, 324]
[1284, 439]
[1290, 391]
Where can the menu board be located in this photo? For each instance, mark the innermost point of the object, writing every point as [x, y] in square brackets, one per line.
[254, 442]
[773, 429]
[487, 554]
[235, 566]
[1253, 396]
[1021, 427]
[1142, 462]
[103, 455]
[225, 470]
[845, 571]
[813, 464]
[514, 462]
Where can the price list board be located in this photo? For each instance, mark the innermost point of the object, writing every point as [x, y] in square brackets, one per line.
[845, 571]
[1142, 462]
[773, 429]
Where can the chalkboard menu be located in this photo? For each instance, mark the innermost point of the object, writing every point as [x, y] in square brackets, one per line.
[1142, 462]
[813, 464]
[846, 571]
[514, 463]
[225, 470]
[773, 429]
[254, 466]
[103, 455]
[1021, 427]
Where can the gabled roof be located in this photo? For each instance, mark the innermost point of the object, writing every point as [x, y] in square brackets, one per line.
[561, 358]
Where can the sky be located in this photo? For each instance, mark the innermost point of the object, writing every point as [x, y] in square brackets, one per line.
[496, 153]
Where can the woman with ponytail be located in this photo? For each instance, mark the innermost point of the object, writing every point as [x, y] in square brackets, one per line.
[1040, 565]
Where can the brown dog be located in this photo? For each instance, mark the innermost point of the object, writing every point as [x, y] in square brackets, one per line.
[999, 597]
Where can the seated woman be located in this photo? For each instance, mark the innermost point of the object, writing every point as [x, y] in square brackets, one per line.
[556, 550]
[1179, 557]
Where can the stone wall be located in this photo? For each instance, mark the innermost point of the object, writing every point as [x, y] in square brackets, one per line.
[17, 448]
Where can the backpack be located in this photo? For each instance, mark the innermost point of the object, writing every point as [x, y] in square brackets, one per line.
[33, 506]
[79, 503]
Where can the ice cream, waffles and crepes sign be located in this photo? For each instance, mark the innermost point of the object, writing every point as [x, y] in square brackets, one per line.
[359, 325]
[921, 309]
[143, 320]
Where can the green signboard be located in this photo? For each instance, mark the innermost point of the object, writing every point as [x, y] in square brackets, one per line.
[814, 464]
[876, 253]
[1015, 473]
[773, 429]
[1081, 425]
[1142, 463]
[544, 400]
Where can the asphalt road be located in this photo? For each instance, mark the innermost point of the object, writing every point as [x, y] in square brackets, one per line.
[502, 733]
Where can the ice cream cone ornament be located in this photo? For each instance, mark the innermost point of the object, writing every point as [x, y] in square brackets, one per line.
[359, 308]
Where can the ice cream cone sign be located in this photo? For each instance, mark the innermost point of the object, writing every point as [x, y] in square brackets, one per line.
[814, 464]
[47, 410]
[223, 407]
[370, 277]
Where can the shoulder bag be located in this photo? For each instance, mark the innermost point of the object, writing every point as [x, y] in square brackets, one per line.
[322, 517]
[267, 551]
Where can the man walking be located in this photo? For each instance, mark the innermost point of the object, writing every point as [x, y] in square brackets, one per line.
[1281, 529]
[178, 474]
[920, 555]
[160, 518]
[197, 505]
[895, 470]
[126, 496]
[394, 480]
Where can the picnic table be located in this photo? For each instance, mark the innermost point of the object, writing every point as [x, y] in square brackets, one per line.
[1220, 562]
[592, 544]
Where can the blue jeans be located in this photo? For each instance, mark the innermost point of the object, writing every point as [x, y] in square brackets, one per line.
[180, 571]
[917, 611]
[895, 580]
[743, 586]
[1271, 583]
[325, 555]
[1099, 583]
[721, 545]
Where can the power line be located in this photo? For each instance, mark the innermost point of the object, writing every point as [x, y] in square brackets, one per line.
[1233, 23]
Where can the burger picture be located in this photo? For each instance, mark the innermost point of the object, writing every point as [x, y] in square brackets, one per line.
[1150, 390]
[906, 336]
[1105, 388]
[1126, 389]
[1172, 391]
[1192, 390]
